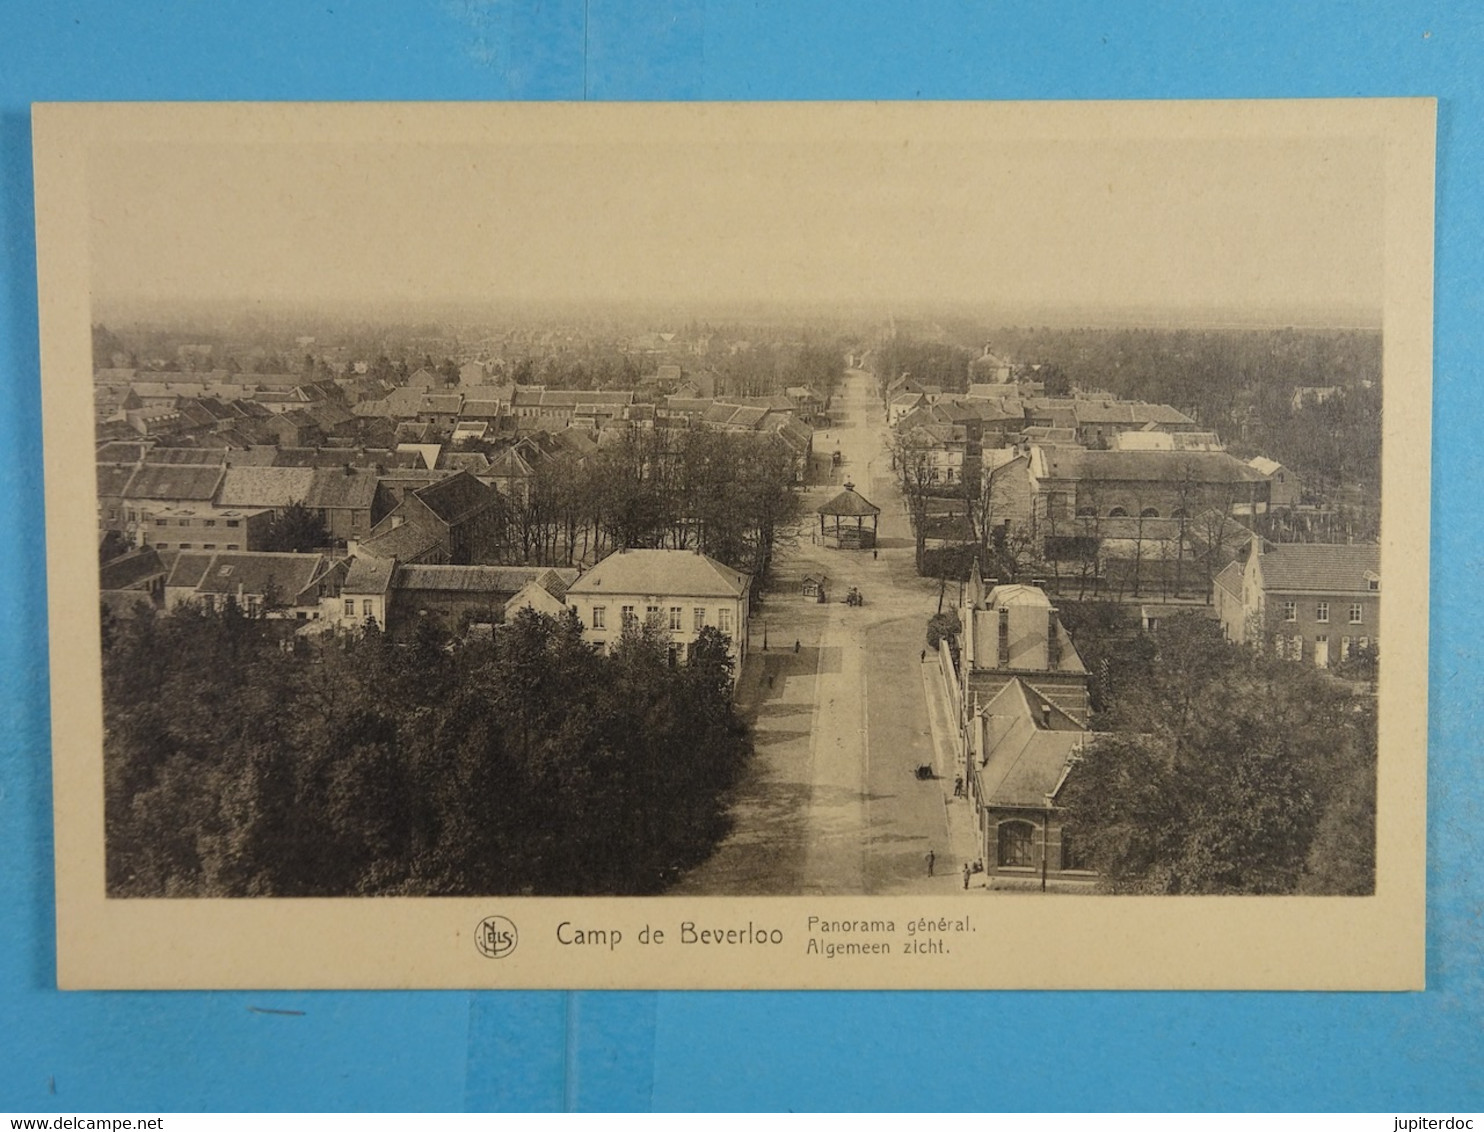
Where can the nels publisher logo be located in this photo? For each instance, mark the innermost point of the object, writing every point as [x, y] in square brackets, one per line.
[495, 937]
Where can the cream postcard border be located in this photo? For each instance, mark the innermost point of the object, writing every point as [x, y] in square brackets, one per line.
[1018, 941]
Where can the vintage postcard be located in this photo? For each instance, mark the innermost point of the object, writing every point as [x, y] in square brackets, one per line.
[712, 545]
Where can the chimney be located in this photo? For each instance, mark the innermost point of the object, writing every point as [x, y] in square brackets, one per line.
[1004, 658]
[1053, 642]
[1046, 716]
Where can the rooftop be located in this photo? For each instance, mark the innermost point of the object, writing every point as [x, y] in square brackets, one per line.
[1321, 567]
[848, 503]
[679, 573]
[1028, 745]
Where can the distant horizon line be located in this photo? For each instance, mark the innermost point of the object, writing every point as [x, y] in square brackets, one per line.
[1316, 316]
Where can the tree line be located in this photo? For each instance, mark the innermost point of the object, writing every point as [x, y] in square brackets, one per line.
[524, 764]
[729, 495]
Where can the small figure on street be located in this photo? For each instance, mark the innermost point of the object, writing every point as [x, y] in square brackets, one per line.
[796, 648]
[931, 858]
[958, 788]
[966, 874]
[923, 658]
[873, 554]
[770, 681]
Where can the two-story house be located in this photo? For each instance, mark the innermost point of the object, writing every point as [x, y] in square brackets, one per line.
[1310, 602]
[679, 591]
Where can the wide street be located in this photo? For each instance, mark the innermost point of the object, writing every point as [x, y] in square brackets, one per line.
[843, 708]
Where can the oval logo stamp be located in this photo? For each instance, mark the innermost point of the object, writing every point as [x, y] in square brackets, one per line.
[495, 937]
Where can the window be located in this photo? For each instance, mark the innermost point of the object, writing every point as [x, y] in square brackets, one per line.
[209, 522]
[366, 607]
[1298, 649]
[182, 522]
[700, 618]
[1321, 612]
[209, 601]
[234, 522]
[1355, 613]
[677, 618]
[724, 620]
[350, 607]
[628, 615]
[1345, 648]
[1117, 513]
[233, 546]
[1149, 513]
[162, 522]
[1373, 583]
[1015, 839]
[162, 546]
[600, 617]
[225, 571]
[651, 613]
[1073, 854]
[208, 546]
[185, 546]
[1290, 611]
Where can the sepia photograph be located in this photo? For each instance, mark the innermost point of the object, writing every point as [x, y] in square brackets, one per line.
[980, 507]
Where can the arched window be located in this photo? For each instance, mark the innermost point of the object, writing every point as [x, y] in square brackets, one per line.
[1015, 839]
[1178, 513]
[1118, 513]
[1149, 513]
[1087, 512]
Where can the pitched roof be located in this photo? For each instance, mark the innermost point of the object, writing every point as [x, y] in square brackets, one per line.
[1154, 466]
[1230, 579]
[849, 502]
[506, 580]
[120, 452]
[476, 463]
[174, 481]
[113, 479]
[457, 497]
[1320, 567]
[265, 487]
[341, 487]
[225, 572]
[128, 570]
[162, 455]
[402, 542]
[679, 573]
[369, 574]
[1029, 743]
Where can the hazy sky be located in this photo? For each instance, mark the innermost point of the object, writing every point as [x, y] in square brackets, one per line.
[1229, 223]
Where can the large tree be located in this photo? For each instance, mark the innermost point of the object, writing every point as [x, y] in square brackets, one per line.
[296, 528]
[1229, 773]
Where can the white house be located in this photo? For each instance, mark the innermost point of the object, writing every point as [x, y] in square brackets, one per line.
[680, 591]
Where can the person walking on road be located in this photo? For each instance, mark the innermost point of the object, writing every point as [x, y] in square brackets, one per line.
[923, 658]
[931, 858]
[966, 874]
[796, 648]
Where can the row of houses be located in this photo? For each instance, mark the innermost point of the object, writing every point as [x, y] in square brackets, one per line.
[678, 593]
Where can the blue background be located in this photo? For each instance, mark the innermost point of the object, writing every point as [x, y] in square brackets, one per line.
[552, 1050]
